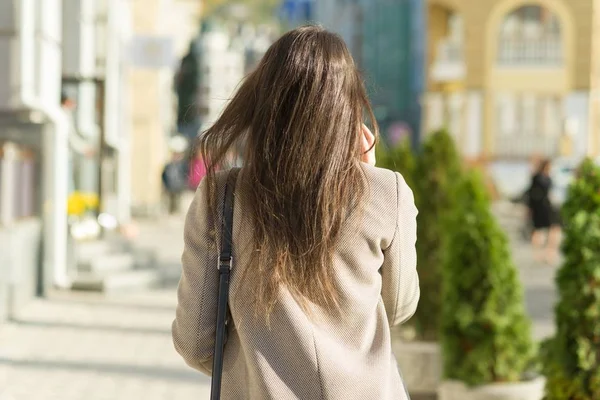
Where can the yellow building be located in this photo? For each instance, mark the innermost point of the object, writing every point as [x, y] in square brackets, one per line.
[151, 93]
[512, 79]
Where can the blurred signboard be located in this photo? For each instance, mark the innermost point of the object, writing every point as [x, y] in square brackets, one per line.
[153, 52]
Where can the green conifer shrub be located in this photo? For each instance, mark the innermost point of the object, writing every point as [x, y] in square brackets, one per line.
[486, 335]
[399, 157]
[436, 172]
[572, 357]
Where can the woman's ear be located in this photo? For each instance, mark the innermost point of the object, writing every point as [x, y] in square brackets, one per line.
[368, 145]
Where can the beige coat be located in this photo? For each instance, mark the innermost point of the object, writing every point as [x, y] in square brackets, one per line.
[301, 358]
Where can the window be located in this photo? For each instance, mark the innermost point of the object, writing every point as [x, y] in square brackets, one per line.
[18, 191]
[527, 124]
[529, 110]
[455, 27]
[450, 48]
[507, 114]
[530, 35]
[552, 116]
[455, 114]
[528, 114]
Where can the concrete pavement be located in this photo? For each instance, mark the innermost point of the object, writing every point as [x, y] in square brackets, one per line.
[88, 347]
[78, 346]
[82, 347]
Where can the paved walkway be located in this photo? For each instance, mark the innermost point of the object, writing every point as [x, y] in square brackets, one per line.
[82, 347]
[77, 346]
[74, 347]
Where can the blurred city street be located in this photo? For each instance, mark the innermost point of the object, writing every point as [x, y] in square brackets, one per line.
[103, 103]
[81, 346]
[84, 346]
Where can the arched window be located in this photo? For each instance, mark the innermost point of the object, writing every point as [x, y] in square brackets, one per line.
[530, 35]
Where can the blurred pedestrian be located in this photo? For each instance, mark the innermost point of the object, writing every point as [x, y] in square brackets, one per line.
[175, 174]
[324, 258]
[544, 215]
[198, 167]
[79, 146]
[197, 170]
[186, 87]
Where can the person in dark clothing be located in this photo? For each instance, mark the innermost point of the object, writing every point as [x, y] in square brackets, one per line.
[175, 174]
[186, 87]
[174, 178]
[544, 216]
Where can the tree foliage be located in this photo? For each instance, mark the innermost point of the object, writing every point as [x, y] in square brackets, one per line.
[573, 355]
[486, 334]
[435, 174]
[398, 158]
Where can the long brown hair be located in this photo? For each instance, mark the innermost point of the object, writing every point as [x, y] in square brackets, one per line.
[299, 114]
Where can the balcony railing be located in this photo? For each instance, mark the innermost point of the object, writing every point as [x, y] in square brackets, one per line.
[525, 145]
[449, 62]
[520, 52]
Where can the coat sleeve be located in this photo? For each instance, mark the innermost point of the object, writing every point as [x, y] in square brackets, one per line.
[400, 282]
[194, 326]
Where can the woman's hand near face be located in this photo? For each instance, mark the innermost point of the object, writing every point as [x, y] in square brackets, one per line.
[368, 146]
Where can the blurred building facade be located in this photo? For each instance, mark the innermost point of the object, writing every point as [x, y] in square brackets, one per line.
[218, 59]
[345, 18]
[95, 43]
[387, 40]
[161, 33]
[256, 41]
[116, 59]
[33, 138]
[222, 65]
[513, 79]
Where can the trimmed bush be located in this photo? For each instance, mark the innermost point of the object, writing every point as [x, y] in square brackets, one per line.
[572, 363]
[437, 169]
[398, 158]
[486, 335]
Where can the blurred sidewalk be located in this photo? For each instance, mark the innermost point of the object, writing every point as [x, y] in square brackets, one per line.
[80, 346]
[76, 346]
[164, 236]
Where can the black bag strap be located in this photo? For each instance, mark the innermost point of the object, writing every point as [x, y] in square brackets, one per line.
[224, 266]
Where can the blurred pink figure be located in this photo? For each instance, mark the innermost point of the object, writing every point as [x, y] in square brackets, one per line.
[397, 132]
[197, 171]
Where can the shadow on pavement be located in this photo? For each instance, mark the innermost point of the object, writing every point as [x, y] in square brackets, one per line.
[107, 303]
[159, 373]
[94, 327]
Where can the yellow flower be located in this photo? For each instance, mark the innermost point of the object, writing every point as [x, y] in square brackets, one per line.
[90, 200]
[75, 204]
